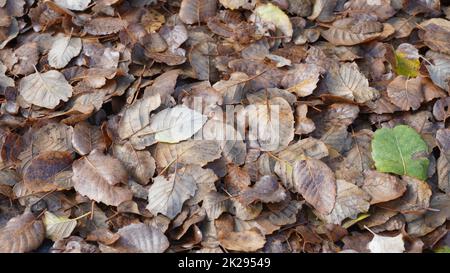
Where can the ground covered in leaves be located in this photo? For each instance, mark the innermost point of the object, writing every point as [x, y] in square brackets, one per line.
[99, 120]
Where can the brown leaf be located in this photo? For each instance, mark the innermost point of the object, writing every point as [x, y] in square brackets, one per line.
[350, 201]
[104, 25]
[139, 238]
[87, 138]
[46, 171]
[195, 11]
[314, 180]
[266, 190]
[406, 93]
[140, 164]
[23, 233]
[250, 240]
[382, 187]
[99, 176]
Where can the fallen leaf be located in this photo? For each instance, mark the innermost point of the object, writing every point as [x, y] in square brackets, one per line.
[167, 195]
[46, 89]
[78, 5]
[315, 181]
[140, 238]
[401, 151]
[195, 11]
[346, 81]
[382, 187]
[99, 177]
[58, 227]
[384, 244]
[350, 201]
[64, 48]
[23, 233]
[406, 93]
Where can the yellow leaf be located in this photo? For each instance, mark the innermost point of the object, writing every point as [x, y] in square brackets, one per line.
[271, 14]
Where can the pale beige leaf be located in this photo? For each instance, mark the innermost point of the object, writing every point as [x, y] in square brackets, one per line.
[78, 5]
[137, 116]
[272, 124]
[171, 125]
[167, 195]
[64, 48]
[346, 81]
[273, 15]
[46, 89]
[302, 79]
[58, 227]
[384, 244]
[187, 152]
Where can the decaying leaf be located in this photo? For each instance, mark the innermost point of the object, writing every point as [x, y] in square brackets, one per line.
[275, 124]
[274, 17]
[87, 138]
[382, 187]
[171, 125]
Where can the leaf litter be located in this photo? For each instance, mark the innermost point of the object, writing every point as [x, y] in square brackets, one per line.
[224, 126]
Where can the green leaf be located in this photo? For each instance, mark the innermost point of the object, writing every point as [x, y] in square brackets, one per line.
[400, 150]
[351, 222]
[406, 64]
[443, 249]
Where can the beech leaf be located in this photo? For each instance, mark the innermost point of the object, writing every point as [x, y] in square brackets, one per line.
[400, 150]
[46, 89]
[64, 48]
